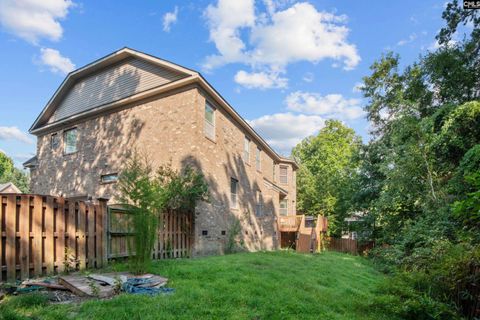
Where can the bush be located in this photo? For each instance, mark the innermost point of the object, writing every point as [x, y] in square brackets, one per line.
[437, 286]
[147, 193]
[232, 245]
[400, 296]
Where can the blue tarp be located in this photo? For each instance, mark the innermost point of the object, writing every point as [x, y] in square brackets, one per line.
[132, 285]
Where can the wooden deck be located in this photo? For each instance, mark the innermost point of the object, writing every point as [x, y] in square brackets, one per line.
[306, 231]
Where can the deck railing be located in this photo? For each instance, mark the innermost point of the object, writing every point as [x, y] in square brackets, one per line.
[289, 223]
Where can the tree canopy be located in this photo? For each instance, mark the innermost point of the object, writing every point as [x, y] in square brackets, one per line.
[417, 180]
[327, 162]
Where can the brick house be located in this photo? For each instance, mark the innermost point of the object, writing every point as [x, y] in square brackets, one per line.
[130, 100]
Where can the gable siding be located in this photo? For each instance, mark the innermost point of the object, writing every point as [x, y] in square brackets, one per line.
[128, 77]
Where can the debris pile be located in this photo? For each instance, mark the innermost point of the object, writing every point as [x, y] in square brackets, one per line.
[75, 287]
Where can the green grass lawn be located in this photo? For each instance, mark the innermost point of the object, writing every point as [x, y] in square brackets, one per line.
[264, 285]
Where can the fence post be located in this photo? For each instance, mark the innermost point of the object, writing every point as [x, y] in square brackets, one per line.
[49, 244]
[81, 244]
[102, 230]
[60, 244]
[10, 241]
[37, 229]
[24, 236]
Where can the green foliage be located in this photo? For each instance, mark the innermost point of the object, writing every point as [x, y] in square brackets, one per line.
[459, 132]
[468, 209]
[6, 164]
[400, 297]
[447, 281]
[327, 163]
[29, 300]
[147, 193]
[8, 173]
[232, 244]
[419, 177]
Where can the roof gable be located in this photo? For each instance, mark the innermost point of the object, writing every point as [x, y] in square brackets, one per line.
[9, 187]
[119, 75]
[126, 78]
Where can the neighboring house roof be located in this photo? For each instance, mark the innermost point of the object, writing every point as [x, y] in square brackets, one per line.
[31, 163]
[356, 216]
[9, 187]
[177, 75]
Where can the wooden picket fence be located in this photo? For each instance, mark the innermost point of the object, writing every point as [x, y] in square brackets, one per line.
[348, 245]
[44, 234]
[174, 236]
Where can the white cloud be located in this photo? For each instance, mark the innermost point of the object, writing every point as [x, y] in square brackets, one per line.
[285, 130]
[224, 20]
[331, 105]
[261, 80]
[260, 40]
[308, 77]
[410, 39]
[55, 61]
[13, 133]
[34, 19]
[311, 35]
[357, 87]
[169, 18]
[435, 45]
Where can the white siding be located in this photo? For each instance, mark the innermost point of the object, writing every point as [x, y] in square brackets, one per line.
[116, 82]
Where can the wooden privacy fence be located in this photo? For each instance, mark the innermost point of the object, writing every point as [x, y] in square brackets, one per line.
[174, 236]
[44, 234]
[348, 245]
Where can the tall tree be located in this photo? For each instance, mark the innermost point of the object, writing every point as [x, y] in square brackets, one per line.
[327, 163]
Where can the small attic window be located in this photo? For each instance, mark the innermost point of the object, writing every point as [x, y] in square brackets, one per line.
[109, 178]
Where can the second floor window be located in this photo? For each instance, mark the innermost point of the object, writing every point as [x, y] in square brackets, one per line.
[283, 207]
[259, 204]
[283, 174]
[54, 141]
[70, 141]
[209, 121]
[258, 159]
[274, 171]
[233, 193]
[246, 150]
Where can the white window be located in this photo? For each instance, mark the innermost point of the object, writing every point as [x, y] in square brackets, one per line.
[209, 121]
[283, 207]
[109, 178]
[233, 193]
[70, 141]
[259, 204]
[283, 174]
[258, 159]
[246, 150]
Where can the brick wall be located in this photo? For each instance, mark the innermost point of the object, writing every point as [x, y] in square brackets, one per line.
[170, 128]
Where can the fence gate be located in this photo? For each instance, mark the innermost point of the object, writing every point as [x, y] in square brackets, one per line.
[174, 235]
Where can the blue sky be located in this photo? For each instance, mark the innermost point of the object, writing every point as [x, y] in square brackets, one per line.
[285, 66]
